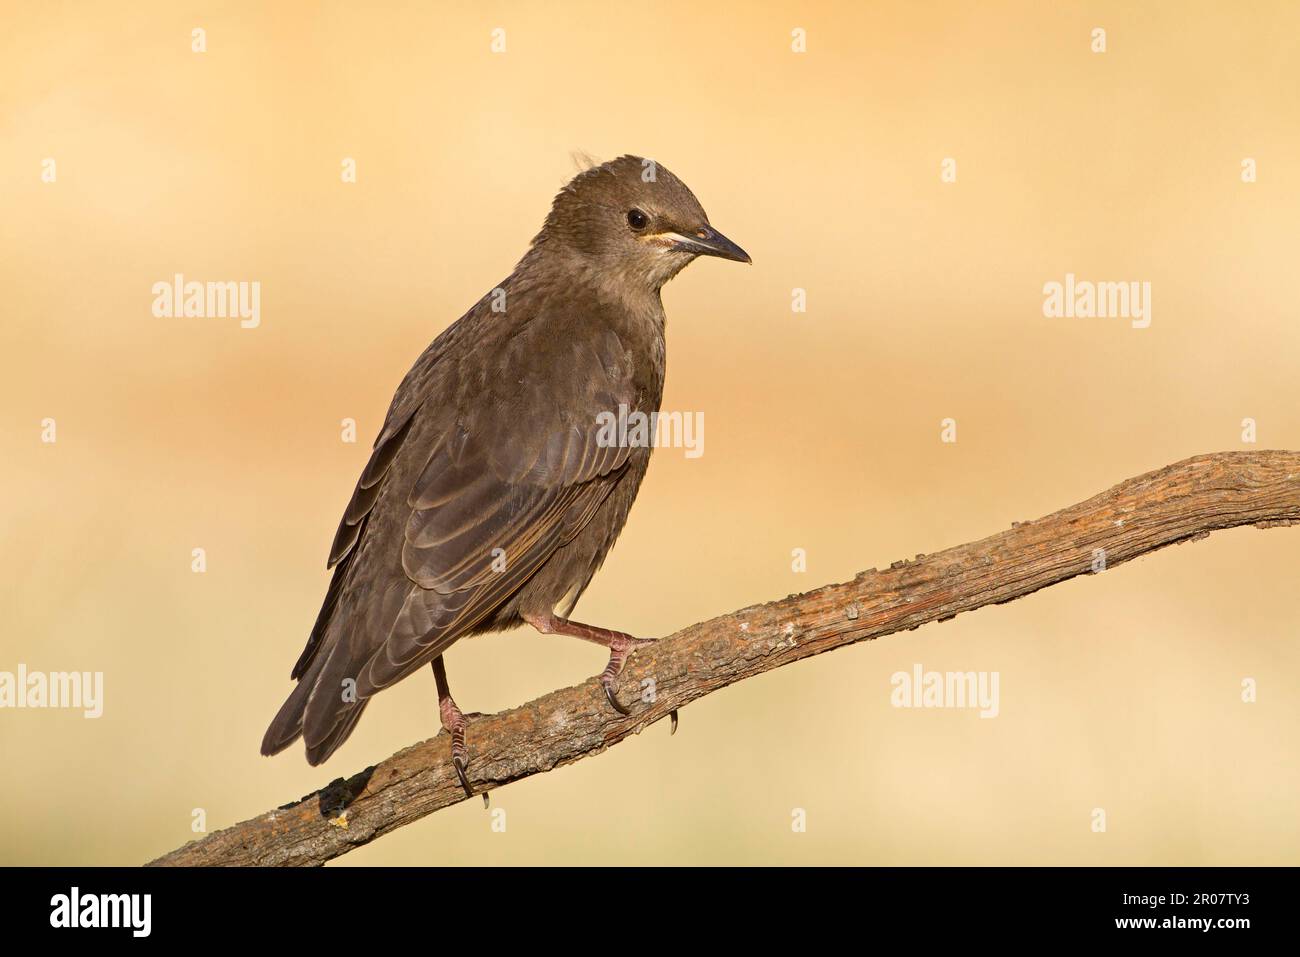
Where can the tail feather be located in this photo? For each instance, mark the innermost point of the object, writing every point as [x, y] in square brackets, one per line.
[318, 753]
[323, 727]
[287, 728]
[287, 725]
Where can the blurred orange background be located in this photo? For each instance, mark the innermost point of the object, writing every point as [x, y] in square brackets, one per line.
[924, 301]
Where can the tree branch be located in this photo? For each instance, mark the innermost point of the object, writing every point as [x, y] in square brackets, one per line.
[1182, 502]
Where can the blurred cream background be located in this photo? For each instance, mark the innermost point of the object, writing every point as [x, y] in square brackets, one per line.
[1120, 691]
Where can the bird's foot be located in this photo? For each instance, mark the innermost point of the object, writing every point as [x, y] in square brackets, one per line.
[609, 679]
[454, 721]
[620, 645]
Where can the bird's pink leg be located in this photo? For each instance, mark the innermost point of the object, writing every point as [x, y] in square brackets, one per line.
[454, 721]
[618, 643]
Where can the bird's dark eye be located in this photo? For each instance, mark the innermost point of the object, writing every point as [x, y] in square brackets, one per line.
[637, 219]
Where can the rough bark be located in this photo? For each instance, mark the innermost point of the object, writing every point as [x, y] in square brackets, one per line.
[1181, 502]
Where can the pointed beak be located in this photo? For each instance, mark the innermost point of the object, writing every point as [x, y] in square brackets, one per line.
[707, 241]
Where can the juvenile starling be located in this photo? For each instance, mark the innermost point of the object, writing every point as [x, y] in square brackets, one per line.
[493, 494]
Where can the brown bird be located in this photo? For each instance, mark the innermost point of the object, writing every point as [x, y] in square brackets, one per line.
[493, 493]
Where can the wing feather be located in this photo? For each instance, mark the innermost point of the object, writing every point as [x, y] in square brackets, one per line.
[481, 472]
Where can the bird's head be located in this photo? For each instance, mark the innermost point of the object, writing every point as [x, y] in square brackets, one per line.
[631, 218]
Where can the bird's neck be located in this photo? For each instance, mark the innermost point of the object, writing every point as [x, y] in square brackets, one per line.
[637, 295]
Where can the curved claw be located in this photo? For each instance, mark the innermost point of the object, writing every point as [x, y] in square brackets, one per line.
[613, 702]
[672, 716]
[459, 765]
